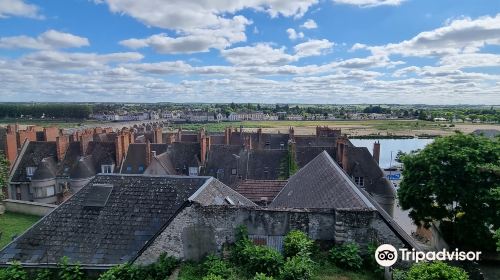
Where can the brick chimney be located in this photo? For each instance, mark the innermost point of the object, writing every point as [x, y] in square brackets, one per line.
[11, 146]
[291, 132]
[259, 135]
[149, 155]
[203, 149]
[50, 133]
[227, 135]
[376, 151]
[248, 142]
[119, 149]
[179, 135]
[61, 146]
[158, 135]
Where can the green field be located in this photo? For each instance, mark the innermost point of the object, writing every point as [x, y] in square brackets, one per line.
[47, 123]
[12, 224]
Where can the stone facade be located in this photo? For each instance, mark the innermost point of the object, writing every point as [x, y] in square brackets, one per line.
[199, 230]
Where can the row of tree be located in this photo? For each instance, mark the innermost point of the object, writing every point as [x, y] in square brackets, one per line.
[36, 111]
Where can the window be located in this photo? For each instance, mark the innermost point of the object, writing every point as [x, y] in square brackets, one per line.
[30, 171]
[359, 181]
[107, 168]
[129, 168]
[41, 192]
[193, 171]
[233, 171]
[141, 168]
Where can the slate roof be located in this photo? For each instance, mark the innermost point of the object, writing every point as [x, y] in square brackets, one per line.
[70, 160]
[35, 152]
[184, 155]
[102, 153]
[83, 168]
[137, 157]
[304, 154]
[45, 170]
[313, 141]
[362, 164]
[321, 184]
[260, 191]
[138, 207]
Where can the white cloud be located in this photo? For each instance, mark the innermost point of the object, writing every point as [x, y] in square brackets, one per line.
[370, 3]
[294, 35]
[459, 36]
[63, 60]
[50, 39]
[259, 54]
[181, 14]
[313, 48]
[18, 8]
[309, 24]
[229, 31]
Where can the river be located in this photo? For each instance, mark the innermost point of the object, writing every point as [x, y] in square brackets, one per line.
[388, 146]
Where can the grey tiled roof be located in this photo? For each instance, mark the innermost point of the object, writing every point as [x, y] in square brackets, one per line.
[137, 157]
[45, 170]
[136, 210]
[35, 152]
[321, 184]
[305, 154]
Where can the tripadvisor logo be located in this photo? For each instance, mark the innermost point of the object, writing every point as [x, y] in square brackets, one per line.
[386, 255]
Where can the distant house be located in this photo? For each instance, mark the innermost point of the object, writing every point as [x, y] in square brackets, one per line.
[200, 117]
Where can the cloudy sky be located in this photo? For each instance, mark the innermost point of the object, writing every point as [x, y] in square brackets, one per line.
[267, 51]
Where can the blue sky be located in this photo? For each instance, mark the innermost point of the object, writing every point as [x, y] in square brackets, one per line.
[304, 51]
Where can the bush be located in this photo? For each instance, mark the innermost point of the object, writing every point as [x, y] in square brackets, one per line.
[13, 272]
[216, 266]
[212, 277]
[435, 271]
[69, 271]
[262, 259]
[297, 268]
[121, 272]
[44, 274]
[346, 256]
[297, 243]
[371, 262]
[262, 276]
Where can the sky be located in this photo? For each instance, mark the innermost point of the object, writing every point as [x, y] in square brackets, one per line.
[259, 51]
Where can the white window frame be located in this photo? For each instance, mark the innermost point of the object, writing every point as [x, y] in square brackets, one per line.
[107, 168]
[30, 171]
[360, 181]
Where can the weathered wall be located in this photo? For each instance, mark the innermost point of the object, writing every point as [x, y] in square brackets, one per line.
[26, 207]
[198, 230]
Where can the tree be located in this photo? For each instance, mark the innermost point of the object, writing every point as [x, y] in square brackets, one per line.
[435, 271]
[454, 180]
[4, 174]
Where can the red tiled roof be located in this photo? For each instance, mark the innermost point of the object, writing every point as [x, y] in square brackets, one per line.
[260, 190]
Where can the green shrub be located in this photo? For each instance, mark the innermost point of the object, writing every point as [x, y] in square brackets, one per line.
[297, 243]
[398, 274]
[262, 259]
[13, 272]
[297, 268]
[371, 262]
[346, 256]
[435, 271]
[69, 271]
[161, 269]
[216, 266]
[121, 272]
[212, 277]
[262, 276]
[44, 274]
[242, 241]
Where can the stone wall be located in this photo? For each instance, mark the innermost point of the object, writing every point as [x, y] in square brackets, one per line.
[199, 230]
[27, 207]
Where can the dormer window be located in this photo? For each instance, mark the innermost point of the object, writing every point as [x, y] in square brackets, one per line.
[30, 171]
[107, 168]
[359, 181]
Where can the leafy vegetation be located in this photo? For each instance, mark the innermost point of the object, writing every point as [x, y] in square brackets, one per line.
[346, 256]
[454, 180]
[4, 176]
[49, 110]
[297, 243]
[13, 272]
[13, 224]
[431, 271]
[298, 267]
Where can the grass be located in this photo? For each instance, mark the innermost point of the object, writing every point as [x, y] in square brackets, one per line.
[376, 124]
[14, 224]
[46, 123]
